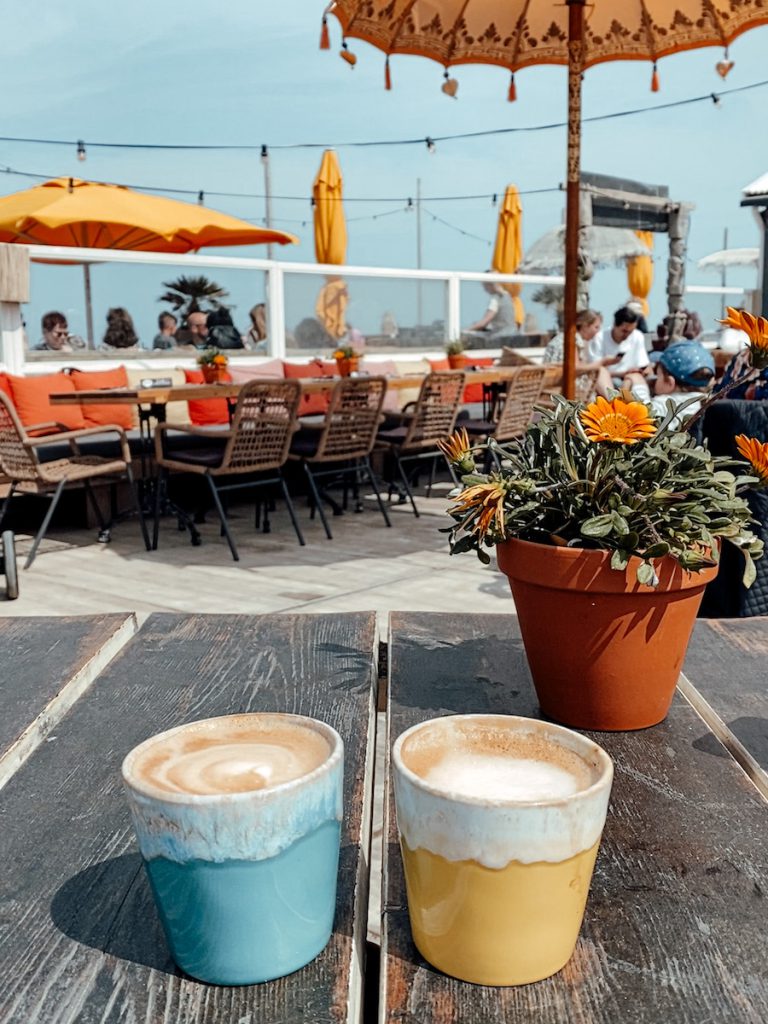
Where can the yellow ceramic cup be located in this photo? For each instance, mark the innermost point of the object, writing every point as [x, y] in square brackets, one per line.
[500, 819]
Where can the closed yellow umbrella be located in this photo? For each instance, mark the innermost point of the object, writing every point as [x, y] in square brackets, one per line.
[640, 273]
[508, 251]
[69, 211]
[330, 242]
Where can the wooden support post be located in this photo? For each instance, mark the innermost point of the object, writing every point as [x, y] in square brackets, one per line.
[586, 267]
[575, 69]
[14, 289]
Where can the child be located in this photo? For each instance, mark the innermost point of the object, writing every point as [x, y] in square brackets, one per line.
[685, 369]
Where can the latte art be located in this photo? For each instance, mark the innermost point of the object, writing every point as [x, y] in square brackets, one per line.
[230, 755]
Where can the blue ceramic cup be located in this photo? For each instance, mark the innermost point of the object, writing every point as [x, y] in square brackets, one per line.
[238, 820]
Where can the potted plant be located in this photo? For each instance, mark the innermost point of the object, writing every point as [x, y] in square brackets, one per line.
[347, 360]
[455, 352]
[607, 522]
[214, 364]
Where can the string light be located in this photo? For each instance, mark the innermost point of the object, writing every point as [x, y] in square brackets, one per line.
[431, 147]
[264, 154]
[200, 197]
[715, 99]
[81, 154]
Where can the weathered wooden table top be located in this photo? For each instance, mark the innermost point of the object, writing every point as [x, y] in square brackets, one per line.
[80, 941]
[675, 924]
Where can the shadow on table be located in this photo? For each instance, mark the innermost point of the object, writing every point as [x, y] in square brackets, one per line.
[81, 909]
[751, 732]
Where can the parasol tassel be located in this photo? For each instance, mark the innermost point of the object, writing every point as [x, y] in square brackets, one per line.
[344, 53]
[655, 79]
[512, 94]
[387, 76]
[325, 39]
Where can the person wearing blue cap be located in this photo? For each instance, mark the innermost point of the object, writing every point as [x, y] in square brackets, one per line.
[685, 370]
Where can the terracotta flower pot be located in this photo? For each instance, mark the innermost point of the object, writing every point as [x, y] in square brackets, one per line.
[348, 366]
[457, 362]
[605, 652]
[212, 373]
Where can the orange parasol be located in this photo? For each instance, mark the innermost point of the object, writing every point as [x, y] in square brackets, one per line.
[520, 33]
[330, 243]
[640, 272]
[508, 250]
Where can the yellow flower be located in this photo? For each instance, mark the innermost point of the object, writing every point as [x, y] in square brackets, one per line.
[756, 454]
[485, 503]
[219, 360]
[618, 421]
[756, 329]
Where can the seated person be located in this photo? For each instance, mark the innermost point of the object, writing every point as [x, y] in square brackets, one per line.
[740, 381]
[167, 336]
[637, 307]
[222, 333]
[685, 370]
[120, 332]
[588, 323]
[499, 317]
[56, 336]
[622, 347]
[257, 333]
[195, 332]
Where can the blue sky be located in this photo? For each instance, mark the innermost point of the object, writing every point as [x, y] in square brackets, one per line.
[252, 73]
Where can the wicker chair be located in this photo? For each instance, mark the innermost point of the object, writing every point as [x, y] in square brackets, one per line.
[433, 418]
[586, 382]
[256, 442]
[343, 442]
[20, 462]
[521, 395]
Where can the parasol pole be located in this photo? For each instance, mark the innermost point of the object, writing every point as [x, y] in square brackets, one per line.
[572, 193]
[88, 305]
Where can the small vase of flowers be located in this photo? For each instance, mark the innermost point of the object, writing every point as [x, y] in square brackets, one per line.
[347, 360]
[214, 364]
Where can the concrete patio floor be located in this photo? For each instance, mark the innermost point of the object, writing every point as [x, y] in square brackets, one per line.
[365, 567]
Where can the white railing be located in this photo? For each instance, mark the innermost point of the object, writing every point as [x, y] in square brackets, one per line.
[14, 357]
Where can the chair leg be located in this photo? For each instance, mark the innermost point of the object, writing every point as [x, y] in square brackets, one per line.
[6, 505]
[222, 517]
[291, 509]
[160, 483]
[382, 507]
[104, 535]
[406, 485]
[46, 523]
[316, 500]
[137, 506]
[431, 480]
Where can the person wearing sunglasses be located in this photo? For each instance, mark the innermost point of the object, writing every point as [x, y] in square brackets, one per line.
[56, 336]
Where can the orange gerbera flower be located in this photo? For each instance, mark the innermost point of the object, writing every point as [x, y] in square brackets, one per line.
[756, 454]
[618, 421]
[456, 446]
[219, 360]
[485, 503]
[756, 329]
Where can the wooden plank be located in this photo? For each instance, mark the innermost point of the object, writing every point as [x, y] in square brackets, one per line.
[79, 938]
[725, 680]
[675, 924]
[45, 665]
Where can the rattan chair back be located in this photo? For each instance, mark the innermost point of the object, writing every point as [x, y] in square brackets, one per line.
[352, 419]
[522, 393]
[586, 385]
[263, 424]
[17, 461]
[436, 409]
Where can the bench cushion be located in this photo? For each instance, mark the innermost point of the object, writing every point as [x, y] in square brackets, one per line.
[31, 397]
[206, 412]
[103, 415]
[310, 405]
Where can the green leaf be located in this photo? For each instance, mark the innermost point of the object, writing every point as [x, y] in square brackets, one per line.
[646, 575]
[657, 550]
[597, 526]
[619, 559]
[750, 572]
[620, 524]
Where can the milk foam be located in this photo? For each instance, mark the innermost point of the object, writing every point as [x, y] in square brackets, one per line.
[236, 756]
[500, 777]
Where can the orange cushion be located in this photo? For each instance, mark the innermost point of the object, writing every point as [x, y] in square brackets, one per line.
[311, 405]
[30, 396]
[474, 392]
[104, 415]
[438, 365]
[206, 412]
[5, 385]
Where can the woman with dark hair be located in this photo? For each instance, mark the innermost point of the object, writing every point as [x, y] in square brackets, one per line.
[222, 333]
[120, 332]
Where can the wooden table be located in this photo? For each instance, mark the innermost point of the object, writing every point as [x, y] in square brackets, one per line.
[675, 928]
[80, 941]
[160, 396]
[675, 925]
